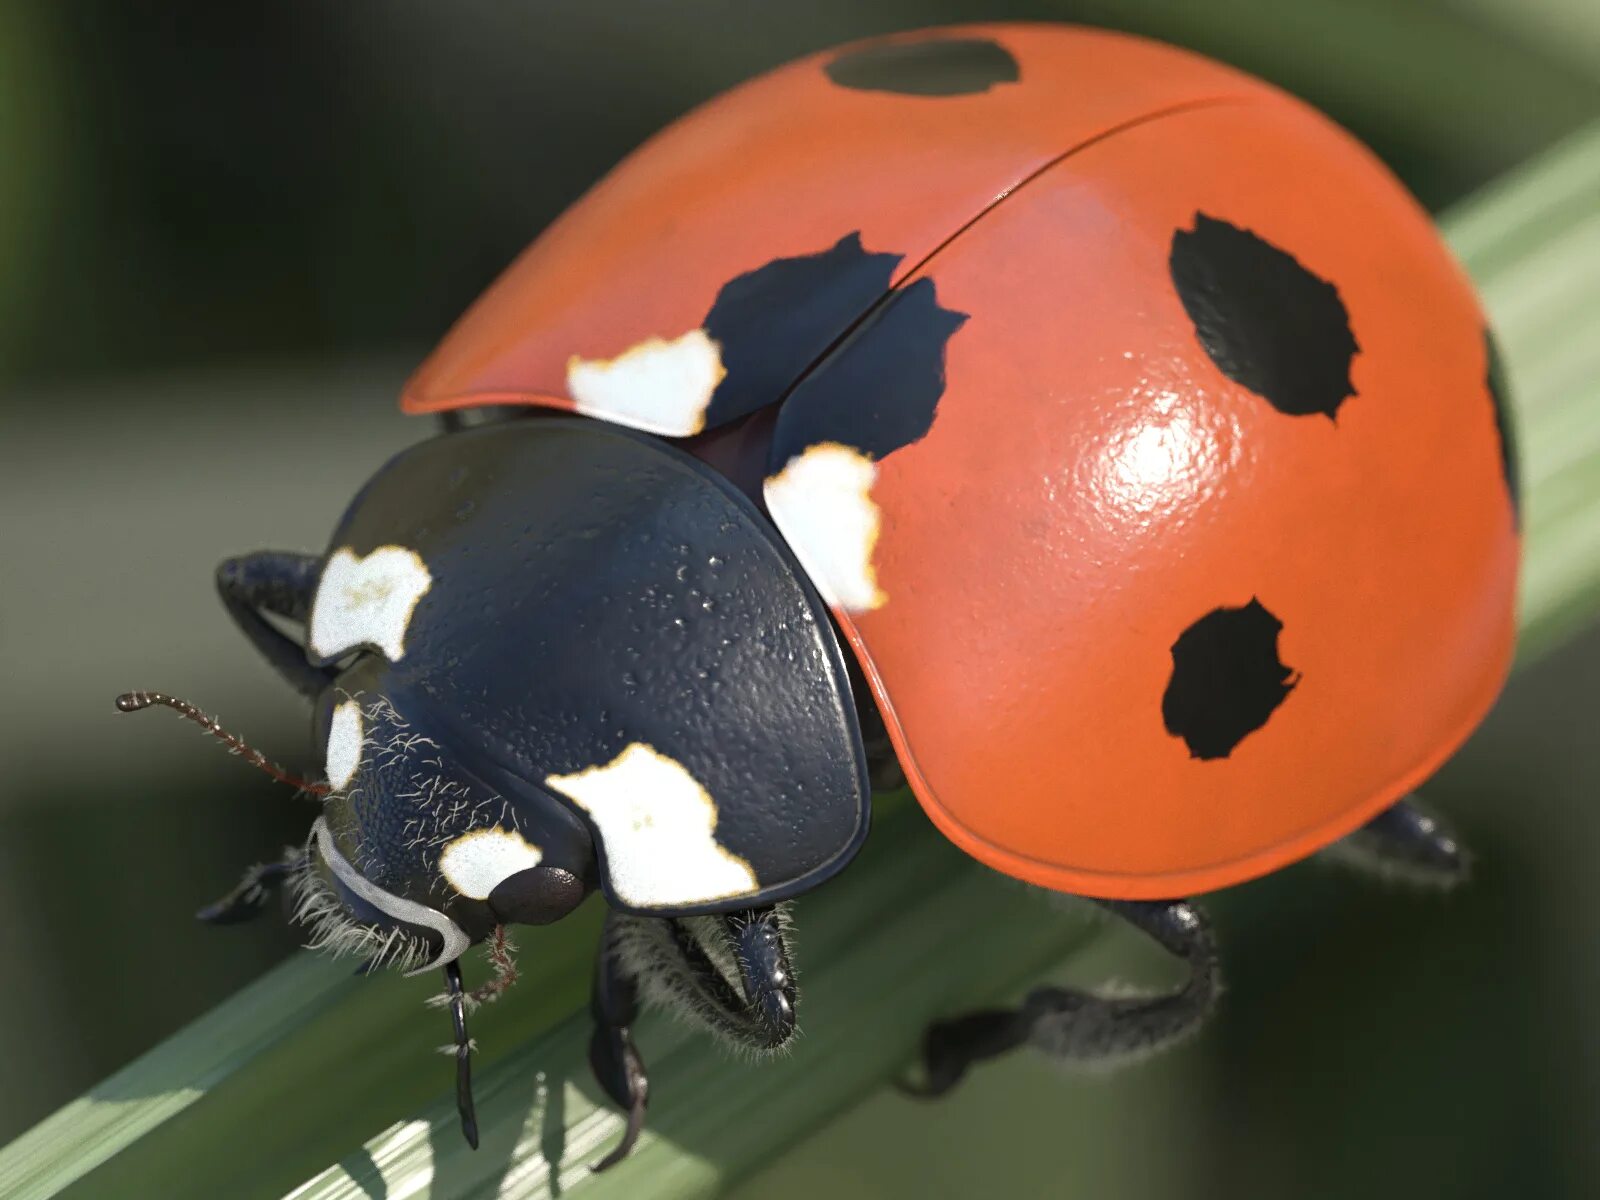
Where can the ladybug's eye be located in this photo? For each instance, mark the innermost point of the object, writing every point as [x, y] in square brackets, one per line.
[502, 867]
[537, 897]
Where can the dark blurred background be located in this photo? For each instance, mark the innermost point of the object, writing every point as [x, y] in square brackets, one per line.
[227, 232]
[193, 185]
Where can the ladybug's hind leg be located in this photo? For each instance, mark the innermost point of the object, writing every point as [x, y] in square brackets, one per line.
[685, 963]
[1409, 843]
[283, 584]
[1087, 1027]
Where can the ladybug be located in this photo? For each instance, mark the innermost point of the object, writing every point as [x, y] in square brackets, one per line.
[1092, 436]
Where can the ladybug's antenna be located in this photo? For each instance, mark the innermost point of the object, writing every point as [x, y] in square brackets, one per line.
[136, 701]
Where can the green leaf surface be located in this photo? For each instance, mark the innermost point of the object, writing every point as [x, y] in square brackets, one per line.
[312, 1083]
[1532, 243]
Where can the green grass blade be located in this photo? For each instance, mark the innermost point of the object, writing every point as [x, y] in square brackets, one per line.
[157, 1088]
[1532, 243]
[308, 1068]
[863, 952]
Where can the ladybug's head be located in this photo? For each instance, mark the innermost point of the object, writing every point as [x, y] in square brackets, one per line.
[415, 857]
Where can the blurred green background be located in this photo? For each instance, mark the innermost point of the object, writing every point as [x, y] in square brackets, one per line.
[227, 232]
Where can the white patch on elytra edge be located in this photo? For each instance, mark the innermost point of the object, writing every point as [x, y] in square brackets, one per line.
[822, 501]
[344, 745]
[659, 386]
[478, 862]
[656, 824]
[367, 600]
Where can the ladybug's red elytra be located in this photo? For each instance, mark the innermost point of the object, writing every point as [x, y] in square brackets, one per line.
[1093, 433]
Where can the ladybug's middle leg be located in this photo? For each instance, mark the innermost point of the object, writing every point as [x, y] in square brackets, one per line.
[281, 583]
[1087, 1027]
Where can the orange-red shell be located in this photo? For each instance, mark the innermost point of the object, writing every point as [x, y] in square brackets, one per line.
[1088, 480]
[786, 165]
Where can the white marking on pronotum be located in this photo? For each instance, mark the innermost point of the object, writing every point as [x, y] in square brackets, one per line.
[478, 862]
[822, 501]
[367, 601]
[656, 824]
[659, 386]
[344, 745]
[398, 907]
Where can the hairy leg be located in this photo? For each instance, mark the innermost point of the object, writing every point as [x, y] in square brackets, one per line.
[1082, 1026]
[685, 964]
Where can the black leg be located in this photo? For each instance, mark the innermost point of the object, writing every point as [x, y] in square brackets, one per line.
[281, 583]
[768, 979]
[463, 1048]
[612, 1055]
[456, 419]
[247, 901]
[685, 964]
[760, 1014]
[1087, 1027]
[1406, 843]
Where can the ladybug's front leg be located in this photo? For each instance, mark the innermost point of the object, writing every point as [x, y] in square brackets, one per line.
[456, 998]
[612, 1056]
[681, 963]
[1087, 1027]
[281, 583]
[1409, 843]
[249, 898]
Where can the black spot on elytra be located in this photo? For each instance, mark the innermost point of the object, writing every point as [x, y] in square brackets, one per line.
[1267, 323]
[774, 322]
[1226, 680]
[937, 67]
[1502, 422]
[879, 391]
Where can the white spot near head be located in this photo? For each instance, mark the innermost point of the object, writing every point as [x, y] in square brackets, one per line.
[656, 824]
[822, 501]
[367, 601]
[344, 745]
[659, 386]
[477, 862]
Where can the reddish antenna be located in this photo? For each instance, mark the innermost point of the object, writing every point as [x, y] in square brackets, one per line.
[136, 701]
